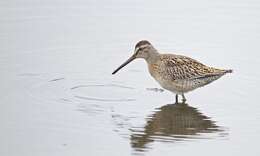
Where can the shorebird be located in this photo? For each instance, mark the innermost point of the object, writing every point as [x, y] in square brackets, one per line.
[176, 73]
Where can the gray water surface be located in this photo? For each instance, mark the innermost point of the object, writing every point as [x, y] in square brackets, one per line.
[58, 96]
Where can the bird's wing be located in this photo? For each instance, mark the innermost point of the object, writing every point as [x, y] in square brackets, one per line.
[177, 67]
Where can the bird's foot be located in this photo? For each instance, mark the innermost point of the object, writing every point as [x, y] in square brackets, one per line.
[176, 99]
[183, 98]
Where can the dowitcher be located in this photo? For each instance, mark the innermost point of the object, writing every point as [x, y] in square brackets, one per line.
[176, 73]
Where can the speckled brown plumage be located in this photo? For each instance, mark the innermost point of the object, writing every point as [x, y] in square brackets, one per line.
[183, 73]
[176, 73]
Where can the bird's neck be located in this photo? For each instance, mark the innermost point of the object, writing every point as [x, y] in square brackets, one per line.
[153, 56]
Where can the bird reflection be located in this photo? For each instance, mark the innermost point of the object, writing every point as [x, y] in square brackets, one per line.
[172, 122]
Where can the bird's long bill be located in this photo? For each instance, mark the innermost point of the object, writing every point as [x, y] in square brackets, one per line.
[124, 64]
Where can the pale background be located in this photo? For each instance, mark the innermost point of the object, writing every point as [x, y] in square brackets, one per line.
[58, 97]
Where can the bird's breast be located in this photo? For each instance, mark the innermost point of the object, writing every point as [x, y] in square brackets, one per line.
[164, 80]
[154, 70]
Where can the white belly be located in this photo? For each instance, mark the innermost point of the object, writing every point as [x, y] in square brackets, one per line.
[175, 87]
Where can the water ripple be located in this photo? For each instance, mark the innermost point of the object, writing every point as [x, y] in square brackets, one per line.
[103, 99]
[57, 79]
[102, 85]
[107, 92]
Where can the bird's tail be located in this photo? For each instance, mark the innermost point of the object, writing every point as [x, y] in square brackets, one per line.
[228, 71]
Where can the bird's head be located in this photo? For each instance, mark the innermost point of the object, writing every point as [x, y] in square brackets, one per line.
[142, 50]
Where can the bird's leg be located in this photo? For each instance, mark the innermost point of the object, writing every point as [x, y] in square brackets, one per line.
[183, 98]
[176, 98]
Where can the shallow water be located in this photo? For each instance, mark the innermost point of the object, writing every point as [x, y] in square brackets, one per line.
[58, 96]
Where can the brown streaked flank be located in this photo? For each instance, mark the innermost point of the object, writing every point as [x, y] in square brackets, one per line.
[176, 73]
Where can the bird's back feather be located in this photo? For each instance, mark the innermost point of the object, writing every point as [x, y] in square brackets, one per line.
[184, 72]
